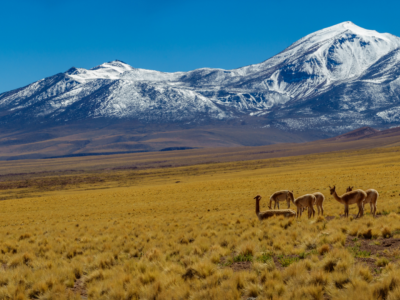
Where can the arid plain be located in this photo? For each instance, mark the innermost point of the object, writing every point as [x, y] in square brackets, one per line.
[191, 232]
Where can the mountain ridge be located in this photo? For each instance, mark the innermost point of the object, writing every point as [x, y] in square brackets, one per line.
[329, 82]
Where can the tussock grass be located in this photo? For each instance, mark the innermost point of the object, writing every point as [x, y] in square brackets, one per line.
[148, 237]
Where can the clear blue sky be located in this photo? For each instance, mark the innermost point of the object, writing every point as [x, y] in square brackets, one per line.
[40, 38]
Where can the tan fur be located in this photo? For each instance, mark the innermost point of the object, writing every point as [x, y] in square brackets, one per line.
[354, 197]
[270, 213]
[281, 196]
[372, 198]
[319, 201]
[305, 201]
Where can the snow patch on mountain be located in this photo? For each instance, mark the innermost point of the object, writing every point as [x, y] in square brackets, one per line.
[110, 70]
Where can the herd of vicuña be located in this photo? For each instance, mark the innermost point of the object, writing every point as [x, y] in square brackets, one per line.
[308, 201]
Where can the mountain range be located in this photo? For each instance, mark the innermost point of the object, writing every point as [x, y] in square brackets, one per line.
[329, 82]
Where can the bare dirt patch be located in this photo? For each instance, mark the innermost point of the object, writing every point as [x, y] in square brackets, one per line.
[241, 266]
[80, 289]
[367, 261]
[378, 247]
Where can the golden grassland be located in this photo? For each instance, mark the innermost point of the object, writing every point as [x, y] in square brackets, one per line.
[192, 233]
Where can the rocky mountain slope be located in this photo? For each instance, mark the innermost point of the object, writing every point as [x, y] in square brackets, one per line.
[331, 81]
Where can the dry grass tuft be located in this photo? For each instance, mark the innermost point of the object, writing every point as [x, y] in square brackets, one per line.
[386, 232]
[382, 262]
[324, 249]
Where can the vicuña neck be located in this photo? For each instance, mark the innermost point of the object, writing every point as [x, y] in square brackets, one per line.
[337, 198]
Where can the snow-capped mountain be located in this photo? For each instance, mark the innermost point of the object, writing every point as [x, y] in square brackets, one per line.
[333, 80]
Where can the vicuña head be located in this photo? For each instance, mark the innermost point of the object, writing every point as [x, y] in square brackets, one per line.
[332, 189]
[349, 189]
[290, 195]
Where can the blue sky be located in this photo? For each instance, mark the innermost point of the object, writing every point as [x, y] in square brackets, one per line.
[40, 38]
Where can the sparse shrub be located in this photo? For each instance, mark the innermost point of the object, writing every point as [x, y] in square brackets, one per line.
[364, 273]
[382, 262]
[264, 257]
[287, 261]
[330, 264]
[105, 261]
[337, 259]
[77, 270]
[224, 243]
[24, 236]
[153, 254]
[9, 247]
[94, 276]
[38, 289]
[394, 295]
[340, 279]
[71, 253]
[253, 290]
[183, 240]
[205, 268]
[239, 281]
[147, 278]
[386, 232]
[318, 278]
[310, 244]
[242, 257]
[247, 249]
[273, 288]
[324, 249]
[367, 234]
[215, 258]
[383, 288]
[353, 231]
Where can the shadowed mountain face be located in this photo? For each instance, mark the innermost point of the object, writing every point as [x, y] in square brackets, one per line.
[327, 83]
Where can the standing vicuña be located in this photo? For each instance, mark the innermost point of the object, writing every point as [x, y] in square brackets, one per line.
[269, 213]
[306, 201]
[354, 197]
[281, 196]
[319, 201]
[372, 198]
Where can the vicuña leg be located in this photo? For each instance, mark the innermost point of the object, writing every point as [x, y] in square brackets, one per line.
[311, 212]
[346, 210]
[360, 210]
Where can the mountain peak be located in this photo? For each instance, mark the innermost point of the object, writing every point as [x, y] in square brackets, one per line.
[114, 64]
[346, 27]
